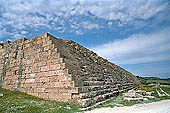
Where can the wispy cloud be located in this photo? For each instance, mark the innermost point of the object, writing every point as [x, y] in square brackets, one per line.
[21, 15]
[126, 11]
[5, 35]
[139, 48]
[89, 25]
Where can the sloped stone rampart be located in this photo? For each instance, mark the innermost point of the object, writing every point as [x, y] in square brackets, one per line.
[61, 70]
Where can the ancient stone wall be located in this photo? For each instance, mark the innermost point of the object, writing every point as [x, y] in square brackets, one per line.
[61, 70]
[34, 66]
[96, 78]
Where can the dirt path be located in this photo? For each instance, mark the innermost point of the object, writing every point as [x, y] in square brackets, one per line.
[155, 107]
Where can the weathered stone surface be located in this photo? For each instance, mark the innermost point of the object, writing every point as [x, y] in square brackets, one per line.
[61, 70]
[137, 95]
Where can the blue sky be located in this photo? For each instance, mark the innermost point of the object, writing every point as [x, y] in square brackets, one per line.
[134, 34]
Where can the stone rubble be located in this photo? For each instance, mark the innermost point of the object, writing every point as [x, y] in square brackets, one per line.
[137, 95]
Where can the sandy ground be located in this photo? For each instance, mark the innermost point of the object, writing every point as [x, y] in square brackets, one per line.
[155, 107]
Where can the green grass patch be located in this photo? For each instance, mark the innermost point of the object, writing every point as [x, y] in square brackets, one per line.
[146, 88]
[154, 80]
[166, 89]
[17, 102]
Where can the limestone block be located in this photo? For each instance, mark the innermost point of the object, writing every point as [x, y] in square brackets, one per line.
[52, 90]
[149, 93]
[29, 61]
[63, 84]
[27, 84]
[74, 90]
[44, 79]
[45, 68]
[30, 81]
[39, 90]
[66, 96]
[130, 94]
[62, 65]
[63, 90]
[34, 94]
[58, 84]
[58, 72]
[48, 73]
[54, 78]
[43, 95]
[52, 95]
[49, 85]
[41, 84]
[42, 63]
[44, 57]
[54, 67]
[86, 102]
[46, 48]
[61, 60]
[40, 74]
[55, 55]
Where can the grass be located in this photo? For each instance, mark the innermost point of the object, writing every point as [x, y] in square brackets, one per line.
[166, 89]
[154, 80]
[18, 102]
[146, 88]
[152, 88]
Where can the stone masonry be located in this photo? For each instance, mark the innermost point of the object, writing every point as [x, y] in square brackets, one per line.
[61, 70]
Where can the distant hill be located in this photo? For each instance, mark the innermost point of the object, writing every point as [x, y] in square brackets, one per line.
[154, 80]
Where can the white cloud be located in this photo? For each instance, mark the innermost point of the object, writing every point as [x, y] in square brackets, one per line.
[18, 36]
[6, 35]
[3, 33]
[21, 14]
[89, 25]
[110, 24]
[79, 33]
[24, 32]
[139, 48]
[126, 11]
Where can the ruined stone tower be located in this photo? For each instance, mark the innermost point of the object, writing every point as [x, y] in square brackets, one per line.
[61, 70]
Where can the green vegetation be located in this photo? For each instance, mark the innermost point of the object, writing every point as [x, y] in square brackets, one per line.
[146, 88]
[154, 80]
[17, 102]
[147, 81]
[119, 101]
[166, 89]
[153, 88]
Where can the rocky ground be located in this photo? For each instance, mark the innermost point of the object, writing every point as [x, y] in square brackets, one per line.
[155, 107]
